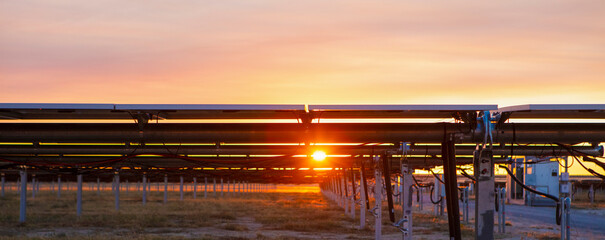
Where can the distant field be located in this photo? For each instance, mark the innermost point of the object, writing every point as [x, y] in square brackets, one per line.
[282, 213]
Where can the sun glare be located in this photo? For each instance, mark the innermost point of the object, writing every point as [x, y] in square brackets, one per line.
[319, 155]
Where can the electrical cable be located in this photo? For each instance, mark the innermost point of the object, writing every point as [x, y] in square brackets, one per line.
[431, 197]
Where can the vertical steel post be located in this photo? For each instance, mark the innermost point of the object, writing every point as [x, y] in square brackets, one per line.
[567, 203]
[3, 184]
[228, 188]
[406, 201]
[165, 188]
[448, 153]
[421, 201]
[362, 206]
[353, 193]
[563, 219]
[79, 196]
[23, 193]
[437, 192]
[98, 186]
[116, 181]
[59, 186]
[144, 188]
[388, 187]
[221, 187]
[465, 199]
[484, 194]
[181, 188]
[205, 187]
[397, 189]
[127, 184]
[503, 208]
[194, 187]
[214, 188]
[378, 200]
[343, 197]
[33, 186]
[499, 217]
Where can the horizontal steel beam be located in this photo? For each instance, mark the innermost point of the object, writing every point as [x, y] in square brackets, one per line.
[298, 133]
[553, 150]
[212, 162]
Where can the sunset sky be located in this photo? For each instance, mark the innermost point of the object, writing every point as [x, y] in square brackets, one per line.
[397, 52]
[303, 52]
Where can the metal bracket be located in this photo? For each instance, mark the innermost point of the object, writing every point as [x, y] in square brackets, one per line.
[486, 126]
[142, 119]
[399, 225]
[374, 211]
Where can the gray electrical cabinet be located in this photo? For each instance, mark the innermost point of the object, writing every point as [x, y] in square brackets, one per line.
[541, 174]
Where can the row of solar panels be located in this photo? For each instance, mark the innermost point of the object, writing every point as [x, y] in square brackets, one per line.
[263, 111]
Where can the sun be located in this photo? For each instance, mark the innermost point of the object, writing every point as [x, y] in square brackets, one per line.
[319, 156]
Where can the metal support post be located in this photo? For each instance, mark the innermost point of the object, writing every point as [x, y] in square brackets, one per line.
[221, 187]
[451, 187]
[205, 187]
[116, 181]
[378, 200]
[362, 203]
[591, 194]
[343, 197]
[406, 198]
[59, 186]
[214, 189]
[144, 188]
[420, 198]
[353, 194]
[33, 186]
[502, 199]
[397, 190]
[563, 219]
[484, 194]
[194, 187]
[98, 186]
[567, 204]
[3, 181]
[23, 193]
[386, 160]
[79, 196]
[465, 203]
[181, 188]
[228, 188]
[165, 188]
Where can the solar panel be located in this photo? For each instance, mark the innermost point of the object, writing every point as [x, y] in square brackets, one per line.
[217, 111]
[578, 111]
[163, 111]
[395, 111]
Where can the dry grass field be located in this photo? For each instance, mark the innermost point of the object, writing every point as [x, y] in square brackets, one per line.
[271, 215]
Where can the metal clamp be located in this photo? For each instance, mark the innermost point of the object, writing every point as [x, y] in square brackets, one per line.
[399, 225]
[374, 211]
